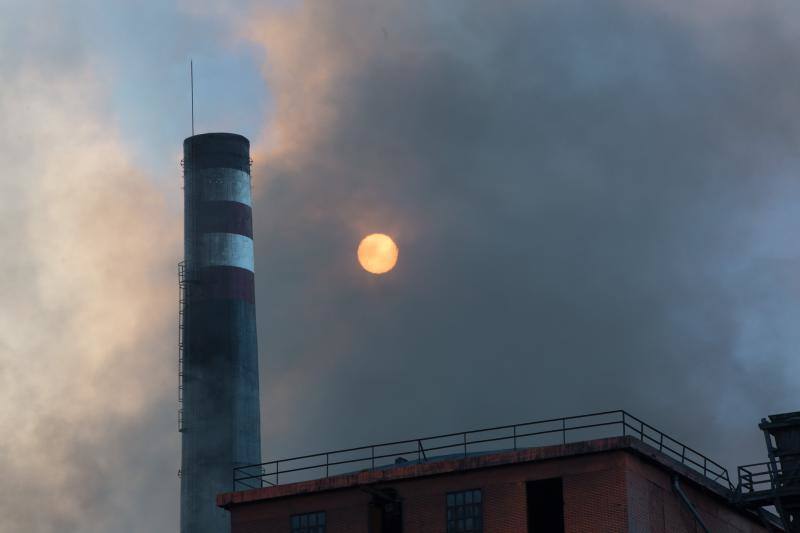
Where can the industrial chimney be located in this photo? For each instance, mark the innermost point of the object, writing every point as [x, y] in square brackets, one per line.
[219, 418]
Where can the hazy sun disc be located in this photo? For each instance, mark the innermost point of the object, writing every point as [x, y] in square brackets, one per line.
[377, 253]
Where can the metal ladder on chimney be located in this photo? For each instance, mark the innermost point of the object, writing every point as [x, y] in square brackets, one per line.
[181, 337]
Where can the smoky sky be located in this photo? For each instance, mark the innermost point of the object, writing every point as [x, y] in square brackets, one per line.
[593, 204]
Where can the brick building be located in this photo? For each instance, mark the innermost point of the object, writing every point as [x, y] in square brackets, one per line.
[613, 484]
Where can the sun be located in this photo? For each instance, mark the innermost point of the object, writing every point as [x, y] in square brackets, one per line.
[377, 253]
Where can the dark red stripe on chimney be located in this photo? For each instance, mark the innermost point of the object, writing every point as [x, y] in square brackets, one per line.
[223, 283]
[225, 217]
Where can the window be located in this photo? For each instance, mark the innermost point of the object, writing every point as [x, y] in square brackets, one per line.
[465, 511]
[545, 506]
[308, 523]
[385, 512]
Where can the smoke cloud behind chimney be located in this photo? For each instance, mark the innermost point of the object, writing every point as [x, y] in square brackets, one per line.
[595, 203]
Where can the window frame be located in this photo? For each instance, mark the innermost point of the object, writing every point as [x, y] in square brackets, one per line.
[464, 492]
[317, 528]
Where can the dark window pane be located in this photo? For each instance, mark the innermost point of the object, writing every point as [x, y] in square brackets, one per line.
[308, 523]
[464, 512]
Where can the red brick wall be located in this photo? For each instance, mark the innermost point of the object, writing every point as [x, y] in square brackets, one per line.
[594, 501]
[653, 507]
[611, 492]
[346, 512]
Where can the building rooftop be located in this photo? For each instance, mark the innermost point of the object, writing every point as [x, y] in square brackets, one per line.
[451, 464]
[476, 448]
[596, 442]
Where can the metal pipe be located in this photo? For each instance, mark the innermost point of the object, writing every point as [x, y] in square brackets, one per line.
[676, 487]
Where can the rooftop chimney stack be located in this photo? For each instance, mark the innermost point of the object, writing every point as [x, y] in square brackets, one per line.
[220, 420]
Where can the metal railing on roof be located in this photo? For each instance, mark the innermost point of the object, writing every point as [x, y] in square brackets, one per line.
[454, 445]
[761, 477]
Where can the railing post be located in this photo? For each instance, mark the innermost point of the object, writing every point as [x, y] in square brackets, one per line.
[515, 438]
[661, 441]
[624, 424]
[277, 472]
[563, 431]
[641, 430]
[465, 444]
[705, 463]
[327, 464]
[421, 455]
[373, 457]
